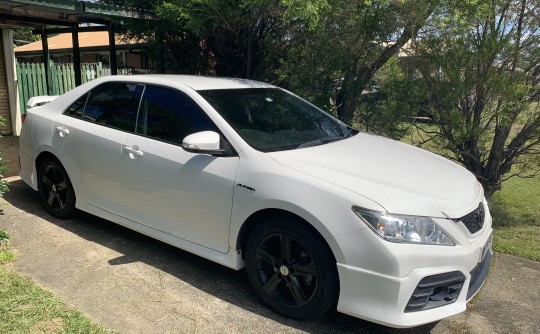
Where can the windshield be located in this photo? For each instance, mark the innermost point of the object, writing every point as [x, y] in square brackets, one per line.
[270, 119]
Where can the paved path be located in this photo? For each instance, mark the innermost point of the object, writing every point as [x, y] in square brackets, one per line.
[133, 284]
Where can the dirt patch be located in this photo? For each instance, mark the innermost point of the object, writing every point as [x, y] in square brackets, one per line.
[9, 152]
[48, 327]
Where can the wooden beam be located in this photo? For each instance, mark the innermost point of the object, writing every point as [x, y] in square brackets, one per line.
[26, 20]
[76, 54]
[112, 50]
[68, 30]
[46, 62]
[159, 53]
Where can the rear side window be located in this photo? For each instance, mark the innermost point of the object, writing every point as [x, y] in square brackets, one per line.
[114, 105]
[77, 108]
[169, 115]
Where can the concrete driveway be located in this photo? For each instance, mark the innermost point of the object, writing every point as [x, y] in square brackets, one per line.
[133, 284]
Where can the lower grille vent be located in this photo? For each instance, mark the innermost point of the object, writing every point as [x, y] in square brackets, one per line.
[436, 290]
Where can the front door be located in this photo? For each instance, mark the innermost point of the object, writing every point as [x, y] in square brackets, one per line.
[183, 194]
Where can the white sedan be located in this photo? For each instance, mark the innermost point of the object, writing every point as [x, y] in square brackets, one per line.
[246, 174]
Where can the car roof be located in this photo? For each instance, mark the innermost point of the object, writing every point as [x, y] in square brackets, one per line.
[195, 82]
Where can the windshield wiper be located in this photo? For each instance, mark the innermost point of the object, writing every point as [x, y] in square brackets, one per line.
[319, 141]
[350, 132]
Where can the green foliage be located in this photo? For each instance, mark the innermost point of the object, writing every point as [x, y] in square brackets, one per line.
[388, 105]
[6, 255]
[333, 63]
[308, 11]
[23, 35]
[478, 65]
[3, 184]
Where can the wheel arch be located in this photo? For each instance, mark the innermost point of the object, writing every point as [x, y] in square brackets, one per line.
[255, 218]
[42, 156]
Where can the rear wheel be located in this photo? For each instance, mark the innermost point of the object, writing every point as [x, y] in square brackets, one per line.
[291, 268]
[55, 189]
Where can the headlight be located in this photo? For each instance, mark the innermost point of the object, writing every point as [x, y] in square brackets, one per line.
[408, 229]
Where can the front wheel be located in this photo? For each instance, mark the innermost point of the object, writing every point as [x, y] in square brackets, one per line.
[56, 190]
[291, 268]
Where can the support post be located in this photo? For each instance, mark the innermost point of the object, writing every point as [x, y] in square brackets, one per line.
[160, 54]
[76, 55]
[46, 61]
[112, 50]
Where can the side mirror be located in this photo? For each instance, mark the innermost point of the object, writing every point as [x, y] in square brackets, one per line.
[205, 142]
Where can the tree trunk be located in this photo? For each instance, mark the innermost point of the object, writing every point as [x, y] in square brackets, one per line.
[249, 58]
[356, 79]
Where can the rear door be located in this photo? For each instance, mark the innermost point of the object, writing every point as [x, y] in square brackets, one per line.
[183, 194]
[89, 136]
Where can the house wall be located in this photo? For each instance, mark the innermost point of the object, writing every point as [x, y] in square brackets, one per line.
[30, 59]
[5, 110]
[133, 60]
[88, 57]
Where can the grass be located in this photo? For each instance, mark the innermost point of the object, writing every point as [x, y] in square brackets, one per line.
[516, 218]
[27, 308]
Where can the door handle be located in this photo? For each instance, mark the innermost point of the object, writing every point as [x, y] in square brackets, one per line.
[133, 152]
[62, 131]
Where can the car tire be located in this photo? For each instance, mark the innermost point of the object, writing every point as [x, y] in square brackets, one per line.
[291, 268]
[57, 194]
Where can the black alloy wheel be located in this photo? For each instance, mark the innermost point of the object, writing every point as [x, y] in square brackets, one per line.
[56, 190]
[291, 269]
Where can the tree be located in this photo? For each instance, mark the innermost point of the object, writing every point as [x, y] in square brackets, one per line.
[324, 50]
[23, 35]
[480, 71]
[337, 58]
[239, 38]
[235, 36]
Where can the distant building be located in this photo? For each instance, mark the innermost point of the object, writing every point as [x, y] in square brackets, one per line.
[94, 48]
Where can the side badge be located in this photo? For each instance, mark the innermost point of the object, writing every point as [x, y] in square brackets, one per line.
[245, 187]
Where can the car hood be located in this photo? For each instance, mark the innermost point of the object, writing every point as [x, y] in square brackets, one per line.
[403, 179]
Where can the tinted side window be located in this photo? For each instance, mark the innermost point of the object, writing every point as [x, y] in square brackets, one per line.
[114, 104]
[168, 115]
[76, 109]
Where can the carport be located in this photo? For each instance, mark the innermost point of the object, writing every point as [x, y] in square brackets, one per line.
[65, 16]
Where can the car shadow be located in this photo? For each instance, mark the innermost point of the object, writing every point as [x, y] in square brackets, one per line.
[221, 282]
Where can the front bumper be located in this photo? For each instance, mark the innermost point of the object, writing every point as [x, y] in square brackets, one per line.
[383, 299]
[385, 282]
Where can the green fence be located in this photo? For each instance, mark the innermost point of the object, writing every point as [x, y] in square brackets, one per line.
[31, 79]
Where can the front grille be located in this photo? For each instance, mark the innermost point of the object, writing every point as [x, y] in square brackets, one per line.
[474, 220]
[435, 291]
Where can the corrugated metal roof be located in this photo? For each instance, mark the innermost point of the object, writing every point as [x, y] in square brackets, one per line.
[64, 12]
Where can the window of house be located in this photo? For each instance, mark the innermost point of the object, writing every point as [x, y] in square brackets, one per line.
[103, 59]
